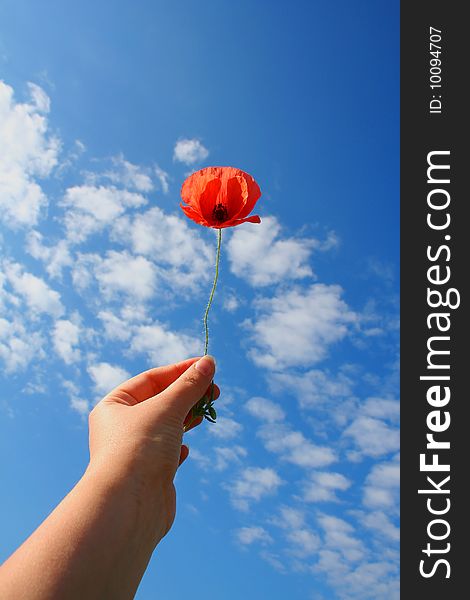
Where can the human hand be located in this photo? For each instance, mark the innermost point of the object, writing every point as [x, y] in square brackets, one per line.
[136, 432]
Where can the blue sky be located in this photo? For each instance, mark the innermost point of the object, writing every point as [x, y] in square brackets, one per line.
[104, 110]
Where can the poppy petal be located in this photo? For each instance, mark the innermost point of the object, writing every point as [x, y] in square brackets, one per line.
[193, 187]
[253, 194]
[235, 196]
[208, 199]
[193, 214]
[234, 222]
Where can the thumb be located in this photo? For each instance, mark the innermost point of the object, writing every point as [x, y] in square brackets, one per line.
[183, 393]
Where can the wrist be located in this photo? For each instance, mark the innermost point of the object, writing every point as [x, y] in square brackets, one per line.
[140, 504]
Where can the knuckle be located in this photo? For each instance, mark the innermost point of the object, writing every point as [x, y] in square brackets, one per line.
[191, 379]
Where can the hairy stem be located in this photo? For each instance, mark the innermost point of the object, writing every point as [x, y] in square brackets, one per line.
[204, 408]
[206, 314]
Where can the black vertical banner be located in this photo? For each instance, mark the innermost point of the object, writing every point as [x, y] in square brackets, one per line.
[435, 256]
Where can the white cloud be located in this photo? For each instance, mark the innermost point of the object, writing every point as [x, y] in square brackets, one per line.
[315, 387]
[160, 344]
[133, 313]
[66, 337]
[258, 256]
[183, 258]
[39, 297]
[18, 346]
[163, 346]
[274, 560]
[294, 447]
[265, 409]
[118, 273]
[322, 486]
[90, 209]
[297, 327]
[382, 408]
[106, 377]
[27, 152]
[115, 328]
[250, 535]
[77, 403]
[253, 484]
[220, 457]
[80, 405]
[373, 437]
[381, 489]
[380, 523]
[224, 456]
[190, 151]
[39, 97]
[82, 271]
[230, 302]
[128, 175]
[226, 428]
[304, 542]
[163, 178]
[55, 257]
[69, 160]
[290, 518]
[363, 581]
[7, 298]
[340, 537]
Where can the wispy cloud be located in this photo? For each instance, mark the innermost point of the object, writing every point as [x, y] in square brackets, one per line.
[162, 345]
[247, 536]
[66, 338]
[315, 387]
[164, 179]
[129, 176]
[220, 457]
[277, 259]
[380, 523]
[106, 376]
[367, 580]
[340, 536]
[265, 409]
[18, 345]
[293, 447]
[252, 485]
[297, 327]
[77, 402]
[381, 489]
[322, 486]
[301, 540]
[55, 258]
[90, 209]
[38, 296]
[227, 428]
[183, 264]
[375, 429]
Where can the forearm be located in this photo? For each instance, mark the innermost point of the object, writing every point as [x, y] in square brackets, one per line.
[95, 544]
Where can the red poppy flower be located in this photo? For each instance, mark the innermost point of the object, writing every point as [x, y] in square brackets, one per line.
[220, 197]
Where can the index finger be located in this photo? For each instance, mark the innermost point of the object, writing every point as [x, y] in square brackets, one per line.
[152, 382]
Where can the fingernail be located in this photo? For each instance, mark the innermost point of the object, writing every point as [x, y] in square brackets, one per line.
[206, 365]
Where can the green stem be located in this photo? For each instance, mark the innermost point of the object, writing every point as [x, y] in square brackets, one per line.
[206, 314]
[204, 408]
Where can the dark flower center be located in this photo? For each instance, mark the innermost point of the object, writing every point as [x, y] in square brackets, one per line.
[220, 213]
